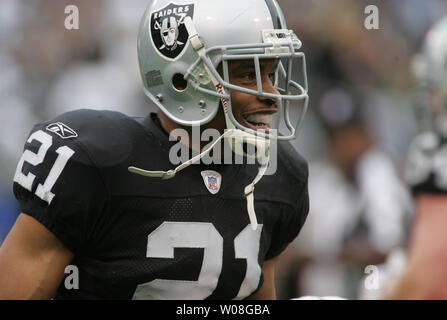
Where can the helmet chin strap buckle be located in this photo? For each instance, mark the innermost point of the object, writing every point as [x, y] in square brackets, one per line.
[168, 175]
[194, 37]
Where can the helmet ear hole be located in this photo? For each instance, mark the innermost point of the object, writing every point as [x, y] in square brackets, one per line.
[179, 82]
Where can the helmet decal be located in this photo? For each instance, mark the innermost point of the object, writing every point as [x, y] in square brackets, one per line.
[167, 29]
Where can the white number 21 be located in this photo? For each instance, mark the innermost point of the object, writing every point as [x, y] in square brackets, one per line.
[35, 159]
[170, 235]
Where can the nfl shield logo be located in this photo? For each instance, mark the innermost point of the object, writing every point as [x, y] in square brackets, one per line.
[212, 183]
[168, 31]
[212, 180]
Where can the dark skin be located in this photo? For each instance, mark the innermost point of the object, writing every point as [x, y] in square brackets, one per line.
[33, 260]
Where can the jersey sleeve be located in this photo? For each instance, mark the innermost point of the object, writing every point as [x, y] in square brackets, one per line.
[290, 221]
[57, 184]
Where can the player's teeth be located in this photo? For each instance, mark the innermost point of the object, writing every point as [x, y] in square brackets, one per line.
[259, 118]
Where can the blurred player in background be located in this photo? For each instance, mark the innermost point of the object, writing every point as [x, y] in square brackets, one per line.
[425, 275]
[359, 206]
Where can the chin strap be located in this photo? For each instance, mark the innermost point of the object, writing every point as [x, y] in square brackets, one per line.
[249, 194]
[165, 175]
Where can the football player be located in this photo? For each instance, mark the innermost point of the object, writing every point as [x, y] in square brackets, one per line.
[426, 271]
[199, 231]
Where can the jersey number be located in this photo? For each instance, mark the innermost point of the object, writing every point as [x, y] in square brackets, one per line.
[170, 235]
[43, 191]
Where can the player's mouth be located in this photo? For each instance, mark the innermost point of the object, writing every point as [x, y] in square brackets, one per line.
[258, 121]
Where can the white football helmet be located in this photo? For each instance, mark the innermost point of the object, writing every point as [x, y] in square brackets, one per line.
[430, 69]
[181, 44]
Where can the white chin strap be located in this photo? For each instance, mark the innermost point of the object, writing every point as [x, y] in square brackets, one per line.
[233, 134]
[240, 137]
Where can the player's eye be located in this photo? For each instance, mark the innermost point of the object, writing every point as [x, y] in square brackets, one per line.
[272, 77]
[250, 76]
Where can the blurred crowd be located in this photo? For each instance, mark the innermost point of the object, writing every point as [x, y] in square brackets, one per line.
[356, 133]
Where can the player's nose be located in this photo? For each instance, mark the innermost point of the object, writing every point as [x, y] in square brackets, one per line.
[268, 87]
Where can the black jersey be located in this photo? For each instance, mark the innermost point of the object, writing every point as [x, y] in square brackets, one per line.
[147, 238]
[426, 169]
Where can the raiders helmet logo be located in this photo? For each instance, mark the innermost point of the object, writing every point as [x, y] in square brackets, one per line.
[168, 31]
